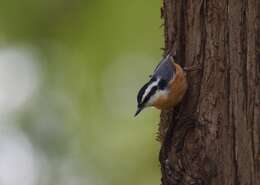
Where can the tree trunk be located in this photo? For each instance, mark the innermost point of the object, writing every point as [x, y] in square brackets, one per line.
[213, 137]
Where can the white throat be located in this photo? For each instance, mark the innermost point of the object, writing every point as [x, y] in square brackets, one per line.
[156, 96]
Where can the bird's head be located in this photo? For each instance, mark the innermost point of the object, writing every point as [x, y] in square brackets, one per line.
[150, 93]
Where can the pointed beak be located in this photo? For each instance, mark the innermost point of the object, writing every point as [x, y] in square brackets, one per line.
[138, 111]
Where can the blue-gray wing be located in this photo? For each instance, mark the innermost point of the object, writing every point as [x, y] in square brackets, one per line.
[165, 69]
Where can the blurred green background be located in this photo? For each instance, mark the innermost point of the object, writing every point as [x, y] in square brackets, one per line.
[69, 75]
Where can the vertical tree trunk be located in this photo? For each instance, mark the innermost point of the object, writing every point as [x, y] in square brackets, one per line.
[213, 137]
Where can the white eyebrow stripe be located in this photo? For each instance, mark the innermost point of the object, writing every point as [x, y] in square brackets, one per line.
[148, 89]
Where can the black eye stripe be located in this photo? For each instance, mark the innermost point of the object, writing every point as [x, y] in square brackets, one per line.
[141, 93]
[162, 84]
[151, 93]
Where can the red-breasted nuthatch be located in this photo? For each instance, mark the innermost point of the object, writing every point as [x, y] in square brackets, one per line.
[166, 87]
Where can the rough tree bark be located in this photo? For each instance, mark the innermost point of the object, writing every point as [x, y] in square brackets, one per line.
[213, 137]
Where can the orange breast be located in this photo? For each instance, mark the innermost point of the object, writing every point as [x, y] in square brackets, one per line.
[178, 87]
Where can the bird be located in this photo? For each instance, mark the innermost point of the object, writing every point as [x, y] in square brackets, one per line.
[166, 87]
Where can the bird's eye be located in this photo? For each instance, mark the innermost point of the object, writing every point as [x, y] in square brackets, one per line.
[162, 84]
